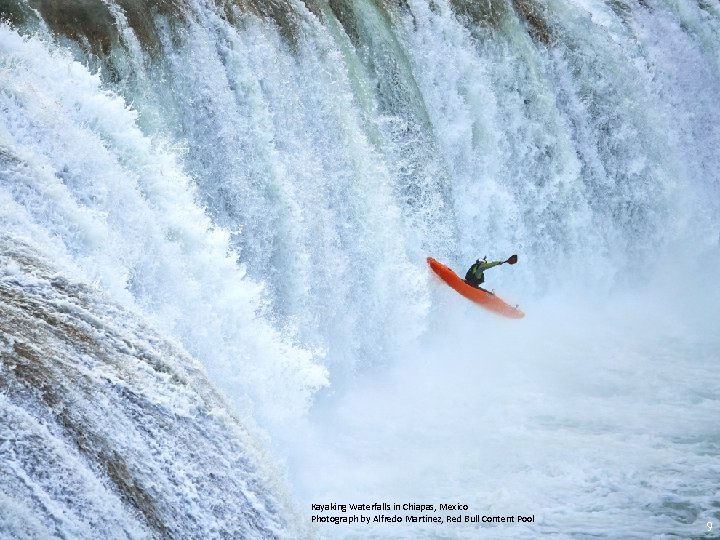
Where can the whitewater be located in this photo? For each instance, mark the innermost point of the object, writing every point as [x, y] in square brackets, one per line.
[217, 317]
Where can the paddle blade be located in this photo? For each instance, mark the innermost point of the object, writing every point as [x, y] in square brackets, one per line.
[512, 259]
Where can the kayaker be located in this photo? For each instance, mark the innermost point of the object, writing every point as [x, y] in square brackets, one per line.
[476, 274]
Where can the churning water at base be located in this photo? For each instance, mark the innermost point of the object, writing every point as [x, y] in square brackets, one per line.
[598, 420]
[262, 183]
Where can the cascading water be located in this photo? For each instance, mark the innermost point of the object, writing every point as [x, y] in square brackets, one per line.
[262, 182]
[110, 431]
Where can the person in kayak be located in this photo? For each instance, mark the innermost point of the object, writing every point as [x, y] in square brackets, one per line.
[475, 276]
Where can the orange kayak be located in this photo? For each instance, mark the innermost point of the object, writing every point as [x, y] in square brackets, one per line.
[485, 299]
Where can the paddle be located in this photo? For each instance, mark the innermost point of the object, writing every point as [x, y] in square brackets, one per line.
[512, 259]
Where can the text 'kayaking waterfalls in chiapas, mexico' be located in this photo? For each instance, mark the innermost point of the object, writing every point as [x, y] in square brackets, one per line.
[232, 241]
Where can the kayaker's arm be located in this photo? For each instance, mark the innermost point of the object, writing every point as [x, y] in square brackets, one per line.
[489, 264]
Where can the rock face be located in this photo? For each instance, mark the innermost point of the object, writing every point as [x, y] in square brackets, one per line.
[109, 431]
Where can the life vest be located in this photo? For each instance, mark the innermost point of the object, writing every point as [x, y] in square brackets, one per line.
[476, 276]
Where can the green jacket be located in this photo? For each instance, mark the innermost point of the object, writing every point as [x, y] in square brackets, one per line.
[476, 274]
[480, 266]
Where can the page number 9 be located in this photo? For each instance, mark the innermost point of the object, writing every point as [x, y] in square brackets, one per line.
[709, 526]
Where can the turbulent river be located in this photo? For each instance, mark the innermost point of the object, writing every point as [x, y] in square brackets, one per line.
[215, 307]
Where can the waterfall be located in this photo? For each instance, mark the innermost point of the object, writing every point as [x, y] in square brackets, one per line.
[261, 183]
